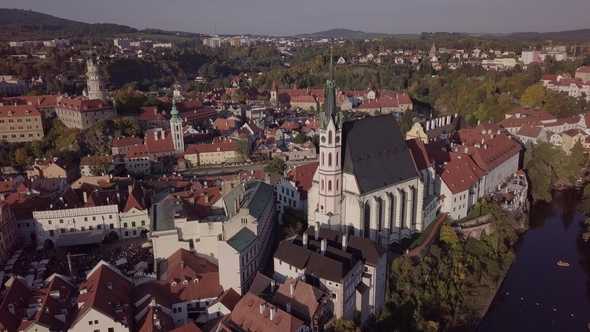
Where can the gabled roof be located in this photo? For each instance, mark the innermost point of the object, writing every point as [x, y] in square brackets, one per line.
[137, 151]
[247, 316]
[531, 131]
[105, 290]
[419, 154]
[302, 176]
[304, 298]
[229, 299]
[375, 152]
[256, 198]
[460, 173]
[81, 105]
[135, 199]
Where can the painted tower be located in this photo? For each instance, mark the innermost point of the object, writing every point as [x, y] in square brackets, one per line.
[330, 168]
[94, 83]
[274, 95]
[176, 128]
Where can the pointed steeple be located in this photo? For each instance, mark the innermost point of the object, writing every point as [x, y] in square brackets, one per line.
[330, 109]
[174, 113]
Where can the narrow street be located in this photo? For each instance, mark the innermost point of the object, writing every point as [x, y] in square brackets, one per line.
[214, 171]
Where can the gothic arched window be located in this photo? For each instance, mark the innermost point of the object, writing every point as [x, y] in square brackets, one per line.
[322, 184]
[322, 159]
[337, 184]
[330, 159]
[329, 137]
[336, 158]
[367, 223]
[329, 185]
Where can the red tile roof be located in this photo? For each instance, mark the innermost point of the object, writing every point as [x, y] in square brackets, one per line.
[460, 173]
[247, 316]
[126, 141]
[304, 300]
[106, 291]
[156, 143]
[136, 199]
[82, 105]
[584, 69]
[302, 176]
[137, 151]
[229, 299]
[195, 277]
[419, 155]
[225, 146]
[494, 152]
[23, 110]
[45, 101]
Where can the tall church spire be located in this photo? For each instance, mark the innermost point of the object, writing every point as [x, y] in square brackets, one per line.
[330, 108]
[176, 128]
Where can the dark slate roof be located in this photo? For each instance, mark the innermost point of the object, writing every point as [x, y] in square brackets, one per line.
[48, 184]
[361, 248]
[375, 153]
[261, 286]
[162, 211]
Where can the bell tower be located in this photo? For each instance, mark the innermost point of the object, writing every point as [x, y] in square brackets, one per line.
[95, 85]
[328, 212]
[176, 129]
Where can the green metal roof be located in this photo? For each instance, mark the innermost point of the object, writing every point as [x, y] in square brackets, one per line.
[242, 239]
[230, 198]
[256, 198]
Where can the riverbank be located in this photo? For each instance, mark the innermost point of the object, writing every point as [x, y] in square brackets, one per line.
[532, 296]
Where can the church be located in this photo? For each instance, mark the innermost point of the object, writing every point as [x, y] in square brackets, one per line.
[366, 183]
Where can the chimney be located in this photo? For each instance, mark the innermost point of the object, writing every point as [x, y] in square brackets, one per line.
[156, 135]
[273, 313]
[273, 284]
[448, 119]
[262, 307]
[182, 265]
[317, 231]
[153, 302]
[85, 194]
[162, 133]
[324, 244]
[344, 242]
[206, 198]
[288, 307]
[292, 289]
[305, 239]
[427, 125]
[130, 188]
[155, 111]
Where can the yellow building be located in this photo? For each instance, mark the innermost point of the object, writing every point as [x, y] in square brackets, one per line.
[570, 137]
[212, 154]
[417, 131]
[21, 123]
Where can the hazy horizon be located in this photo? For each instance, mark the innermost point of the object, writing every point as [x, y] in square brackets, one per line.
[266, 17]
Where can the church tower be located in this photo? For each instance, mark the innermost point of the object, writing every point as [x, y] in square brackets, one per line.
[328, 212]
[176, 129]
[94, 83]
[274, 95]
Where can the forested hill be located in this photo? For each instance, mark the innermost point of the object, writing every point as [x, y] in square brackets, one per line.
[26, 24]
[570, 36]
[341, 33]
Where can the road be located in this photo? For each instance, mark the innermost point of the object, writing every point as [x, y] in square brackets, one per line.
[215, 171]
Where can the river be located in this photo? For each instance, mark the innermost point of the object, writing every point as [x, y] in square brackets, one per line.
[538, 295]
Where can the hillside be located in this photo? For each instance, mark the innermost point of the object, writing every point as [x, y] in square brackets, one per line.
[341, 33]
[570, 36]
[18, 24]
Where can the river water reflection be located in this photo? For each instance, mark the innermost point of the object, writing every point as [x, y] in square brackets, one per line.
[538, 295]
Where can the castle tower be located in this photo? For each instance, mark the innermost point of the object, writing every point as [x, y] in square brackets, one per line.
[94, 83]
[330, 169]
[176, 129]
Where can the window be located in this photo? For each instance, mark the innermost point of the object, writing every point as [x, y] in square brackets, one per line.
[51, 232]
[85, 218]
[49, 222]
[111, 329]
[125, 225]
[330, 159]
[133, 224]
[99, 226]
[61, 221]
[143, 223]
[112, 226]
[89, 322]
[110, 216]
[330, 137]
[321, 187]
[329, 185]
[96, 322]
[93, 218]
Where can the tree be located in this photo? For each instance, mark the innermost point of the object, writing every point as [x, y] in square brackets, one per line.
[299, 139]
[407, 121]
[342, 325]
[294, 222]
[242, 150]
[100, 166]
[276, 165]
[22, 157]
[534, 96]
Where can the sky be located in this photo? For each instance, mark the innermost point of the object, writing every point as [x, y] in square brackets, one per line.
[285, 18]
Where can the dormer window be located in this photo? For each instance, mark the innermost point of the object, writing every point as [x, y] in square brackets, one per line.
[27, 112]
[174, 284]
[85, 107]
[9, 112]
[185, 282]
